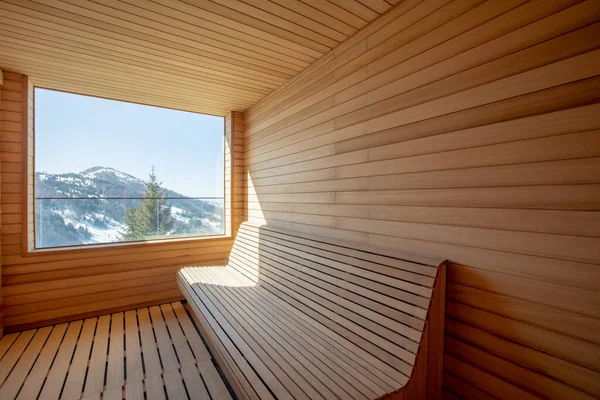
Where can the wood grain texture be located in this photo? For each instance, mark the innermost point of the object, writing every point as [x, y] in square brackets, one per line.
[2, 107]
[235, 188]
[53, 286]
[306, 317]
[74, 360]
[216, 56]
[462, 130]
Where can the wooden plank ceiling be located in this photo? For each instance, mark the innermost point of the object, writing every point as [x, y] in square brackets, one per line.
[210, 56]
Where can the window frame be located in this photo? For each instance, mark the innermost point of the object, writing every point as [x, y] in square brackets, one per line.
[29, 202]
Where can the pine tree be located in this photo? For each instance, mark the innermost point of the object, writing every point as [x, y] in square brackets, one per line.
[152, 217]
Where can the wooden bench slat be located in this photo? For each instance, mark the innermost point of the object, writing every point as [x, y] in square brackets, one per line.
[345, 323]
[259, 353]
[422, 274]
[296, 316]
[426, 266]
[360, 286]
[325, 303]
[349, 369]
[362, 275]
[325, 326]
[299, 346]
[307, 371]
[227, 277]
[242, 361]
[283, 360]
[366, 349]
[239, 379]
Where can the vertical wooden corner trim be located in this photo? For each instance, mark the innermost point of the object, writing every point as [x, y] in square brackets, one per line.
[1, 298]
[231, 173]
[228, 176]
[24, 161]
[436, 332]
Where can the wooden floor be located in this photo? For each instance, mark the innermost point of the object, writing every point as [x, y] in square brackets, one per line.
[152, 353]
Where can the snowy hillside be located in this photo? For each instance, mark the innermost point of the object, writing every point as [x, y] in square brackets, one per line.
[90, 207]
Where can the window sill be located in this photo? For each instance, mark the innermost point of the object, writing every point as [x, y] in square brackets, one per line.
[147, 244]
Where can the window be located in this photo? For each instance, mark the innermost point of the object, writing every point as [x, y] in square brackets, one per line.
[109, 171]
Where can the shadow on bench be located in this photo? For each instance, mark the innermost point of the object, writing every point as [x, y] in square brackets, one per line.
[294, 316]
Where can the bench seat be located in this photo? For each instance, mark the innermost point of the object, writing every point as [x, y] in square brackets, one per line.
[295, 316]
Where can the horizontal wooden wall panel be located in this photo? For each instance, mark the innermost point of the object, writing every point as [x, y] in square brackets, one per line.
[215, 56]
[465, 130]
[57, 285]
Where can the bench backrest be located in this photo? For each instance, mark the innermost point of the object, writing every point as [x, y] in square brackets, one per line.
[377, 299]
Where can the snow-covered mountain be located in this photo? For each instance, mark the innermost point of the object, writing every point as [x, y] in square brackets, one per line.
[90, 206]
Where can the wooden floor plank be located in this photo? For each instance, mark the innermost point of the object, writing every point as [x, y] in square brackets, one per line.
[151, 361]
[95, 379]
[75, 380]
[93, 396]
[115, 374]
[37, 376]
[155, 388]
[113, 394]
[6, 342]
[213, 381]
[194, 382]
[174, 385]
[198, 347]
[58, 372]
[184, 352]
[12, 356]
[163, 340]
[14, 382]
[135, 371]
[158, 348]
[134, 391]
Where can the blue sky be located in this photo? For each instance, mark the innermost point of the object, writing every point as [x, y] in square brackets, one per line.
[75, 132]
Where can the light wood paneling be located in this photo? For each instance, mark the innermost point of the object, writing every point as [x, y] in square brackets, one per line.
[466, 130]
[237, 172]
[235, 188]
[46, 286]
[289, 308]
[1, 219]
[215, 56]
[77, 360]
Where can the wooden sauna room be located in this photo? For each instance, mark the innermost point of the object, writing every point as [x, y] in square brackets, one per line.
[299, 199]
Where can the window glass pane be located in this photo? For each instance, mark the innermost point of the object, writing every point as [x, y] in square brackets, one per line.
[109, 171]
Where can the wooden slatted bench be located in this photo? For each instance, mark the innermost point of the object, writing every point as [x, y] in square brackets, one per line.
[294, 316]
